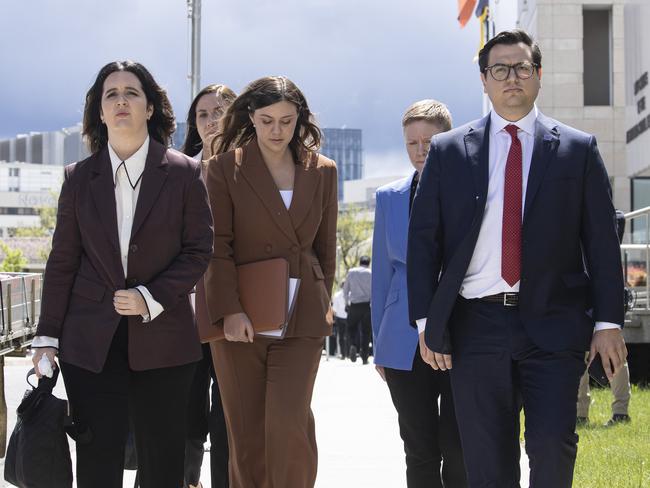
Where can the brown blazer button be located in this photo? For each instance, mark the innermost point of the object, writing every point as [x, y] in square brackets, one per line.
[131, 281]
[268, 248]
[294, 249]
[133, 248]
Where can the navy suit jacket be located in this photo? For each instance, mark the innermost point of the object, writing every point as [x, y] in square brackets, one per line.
[571, 274]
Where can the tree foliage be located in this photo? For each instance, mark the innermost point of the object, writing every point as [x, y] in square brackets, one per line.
[353, 238]
[14, 261]
[48, 223]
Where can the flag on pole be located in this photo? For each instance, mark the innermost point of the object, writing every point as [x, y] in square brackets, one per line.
[483, 17]
[484, 23]
[480, 8]
[465, 9]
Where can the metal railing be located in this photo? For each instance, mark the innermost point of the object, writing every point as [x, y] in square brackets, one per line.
[20, 306]
[643, 293]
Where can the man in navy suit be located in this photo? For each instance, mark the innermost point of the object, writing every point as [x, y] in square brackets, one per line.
[514, 271]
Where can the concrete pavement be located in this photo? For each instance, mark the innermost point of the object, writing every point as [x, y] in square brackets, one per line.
[356, 426]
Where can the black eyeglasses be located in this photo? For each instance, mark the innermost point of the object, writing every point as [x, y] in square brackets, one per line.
[501, 72]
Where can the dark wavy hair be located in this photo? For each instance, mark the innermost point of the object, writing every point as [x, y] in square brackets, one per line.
[161, 124]
[193, 144]
[237, 128]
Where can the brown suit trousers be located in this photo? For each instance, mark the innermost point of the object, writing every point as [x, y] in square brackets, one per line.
[267, 395]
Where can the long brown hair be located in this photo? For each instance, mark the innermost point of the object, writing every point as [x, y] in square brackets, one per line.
[160, 125]
[237, 128]
[193, 143]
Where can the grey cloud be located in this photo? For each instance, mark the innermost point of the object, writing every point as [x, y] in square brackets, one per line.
[360, 63]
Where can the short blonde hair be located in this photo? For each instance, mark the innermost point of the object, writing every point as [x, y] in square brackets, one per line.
[431, 111]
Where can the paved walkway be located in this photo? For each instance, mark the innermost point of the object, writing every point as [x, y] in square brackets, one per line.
[358, 437]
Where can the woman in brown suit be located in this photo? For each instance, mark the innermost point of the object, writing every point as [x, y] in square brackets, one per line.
[279, 200]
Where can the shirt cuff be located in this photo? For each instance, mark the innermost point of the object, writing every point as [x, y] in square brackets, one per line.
[154, 308]
[422, 324]
[45, 341]
[605, 326]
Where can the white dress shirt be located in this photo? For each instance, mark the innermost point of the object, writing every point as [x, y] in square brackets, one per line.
[127, 177]
[287, 196]
[338, 305]
[483, 276]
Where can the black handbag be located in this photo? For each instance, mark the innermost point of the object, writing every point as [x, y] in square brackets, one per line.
[38, 455]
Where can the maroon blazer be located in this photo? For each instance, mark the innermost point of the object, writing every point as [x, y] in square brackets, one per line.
[171, 244]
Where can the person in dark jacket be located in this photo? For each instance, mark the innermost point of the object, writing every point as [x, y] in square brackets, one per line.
[132, 238]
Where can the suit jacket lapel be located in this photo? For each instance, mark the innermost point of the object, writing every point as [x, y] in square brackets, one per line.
[545, 146]
[153, 178]
[258, 176]
[477, 147]
[305, 184]
[399, 214]
[103, 193]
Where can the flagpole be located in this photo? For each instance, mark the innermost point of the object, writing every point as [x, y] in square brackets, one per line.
[194, 14]
[485, 37]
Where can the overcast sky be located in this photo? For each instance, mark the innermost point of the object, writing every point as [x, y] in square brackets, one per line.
[360, 63]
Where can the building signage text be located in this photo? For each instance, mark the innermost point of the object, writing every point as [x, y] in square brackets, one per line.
[644, 124]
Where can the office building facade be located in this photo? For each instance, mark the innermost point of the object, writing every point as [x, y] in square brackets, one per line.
[59, 147]
[345, 146]
[25, 189]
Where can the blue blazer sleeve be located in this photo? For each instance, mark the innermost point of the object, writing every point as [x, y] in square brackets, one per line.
[423, 256]
[382, 269]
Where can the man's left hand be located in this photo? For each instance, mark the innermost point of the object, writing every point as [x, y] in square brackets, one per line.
[129, 302]
[609, 343]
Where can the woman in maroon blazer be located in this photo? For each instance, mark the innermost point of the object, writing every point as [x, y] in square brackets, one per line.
[133, 236]
[279, 200]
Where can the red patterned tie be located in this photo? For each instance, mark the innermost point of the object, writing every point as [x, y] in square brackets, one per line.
[511, 225]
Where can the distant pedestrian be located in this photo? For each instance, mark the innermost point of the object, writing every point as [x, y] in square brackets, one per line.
[356, 291]
[621, 391]
[340, 323]
[620, 383]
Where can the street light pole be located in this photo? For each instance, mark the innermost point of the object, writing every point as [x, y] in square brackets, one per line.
[194, 15]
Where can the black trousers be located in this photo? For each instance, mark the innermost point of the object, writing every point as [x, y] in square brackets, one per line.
[154, 400]
[360, 328]
[206, 416]
[430, 434]
[339, 336]
[497, 370]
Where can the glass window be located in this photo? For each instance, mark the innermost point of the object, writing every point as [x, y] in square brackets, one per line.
[597, 56]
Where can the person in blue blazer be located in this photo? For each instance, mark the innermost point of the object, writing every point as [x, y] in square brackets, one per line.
[430, 435]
